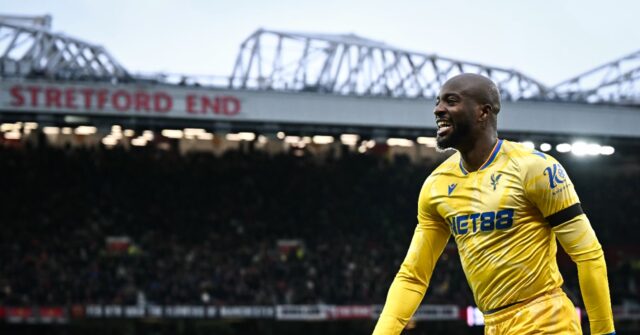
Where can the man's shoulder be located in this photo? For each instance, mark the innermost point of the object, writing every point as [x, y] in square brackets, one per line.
[447, 167]
[527, 158]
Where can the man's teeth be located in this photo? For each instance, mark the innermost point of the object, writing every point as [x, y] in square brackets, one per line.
[443, 124]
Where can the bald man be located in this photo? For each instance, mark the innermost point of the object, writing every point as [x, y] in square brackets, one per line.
[505, 206]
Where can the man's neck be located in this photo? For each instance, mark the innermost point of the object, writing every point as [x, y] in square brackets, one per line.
[477, 152]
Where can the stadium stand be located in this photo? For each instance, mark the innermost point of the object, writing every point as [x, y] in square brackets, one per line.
[98, 226]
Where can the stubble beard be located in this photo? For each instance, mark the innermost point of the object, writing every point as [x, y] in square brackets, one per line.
[454, 139]
[449, 142]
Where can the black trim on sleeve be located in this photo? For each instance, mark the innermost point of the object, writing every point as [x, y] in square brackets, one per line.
[564, 215]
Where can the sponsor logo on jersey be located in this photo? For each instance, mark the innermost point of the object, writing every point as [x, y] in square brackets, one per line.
[482, 222]
[556, 175]
[452, 187]
[495, 179]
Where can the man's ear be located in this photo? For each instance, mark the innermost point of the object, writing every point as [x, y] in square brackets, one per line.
[485, 112]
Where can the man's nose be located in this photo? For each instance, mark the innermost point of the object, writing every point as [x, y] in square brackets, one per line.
[439, 110]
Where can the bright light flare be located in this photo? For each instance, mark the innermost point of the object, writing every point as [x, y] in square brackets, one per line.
[321, 139]
[86, 130]
[563, 147]
[607, 150]
[545, 147]
[172, 133]
[349, 139]
[399, 142]
[428, 141]
[529, 145]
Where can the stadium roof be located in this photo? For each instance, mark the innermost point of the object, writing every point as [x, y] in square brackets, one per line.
[29, 49]
[617, 82]
[353, 65]
[343, 64]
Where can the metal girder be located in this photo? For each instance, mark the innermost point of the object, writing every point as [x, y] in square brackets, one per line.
[34, 51]
[352, 65]
[616, 82]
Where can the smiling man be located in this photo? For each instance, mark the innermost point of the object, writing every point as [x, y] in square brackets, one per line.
[505, 205]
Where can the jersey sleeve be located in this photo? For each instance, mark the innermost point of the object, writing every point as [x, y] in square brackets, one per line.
[581, 244]
[410, 284]
[550, 189]
[547, 185]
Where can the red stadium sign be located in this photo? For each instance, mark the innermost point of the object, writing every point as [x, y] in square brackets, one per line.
[122, 99]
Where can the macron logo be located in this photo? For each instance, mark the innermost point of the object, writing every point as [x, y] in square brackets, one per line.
[452, 187]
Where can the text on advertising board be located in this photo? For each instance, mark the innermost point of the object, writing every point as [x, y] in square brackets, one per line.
[92, 99]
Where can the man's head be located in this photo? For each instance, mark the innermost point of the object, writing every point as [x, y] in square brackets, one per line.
[466, 108]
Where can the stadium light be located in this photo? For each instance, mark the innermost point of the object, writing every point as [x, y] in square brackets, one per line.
[232, 137]
[563, 147]
[9, 127]
[545, 147]
[86, 130]
[399, 142]
[129, 132]
[349, 139]
[262, 139]
[593, 149]
[579, 148]
[291, 139]
[139, 142]
[172, 133]
[109, 141]
[148, 135]
[244, 136]
[31, 125]
[370, 144]
[12, 135]
[205, 136]
[321, 139]
[116, 128]
[280, 135]
[428, 141]
[67, 130]
[192, 132]
[582, 149]
[607, 150]
[51, 130]
[529, 145]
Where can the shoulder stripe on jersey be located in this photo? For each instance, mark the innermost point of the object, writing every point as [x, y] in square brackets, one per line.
[564, 215]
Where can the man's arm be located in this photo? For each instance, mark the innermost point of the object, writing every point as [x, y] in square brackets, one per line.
[579, 241]
[411, 282]
[549, 187]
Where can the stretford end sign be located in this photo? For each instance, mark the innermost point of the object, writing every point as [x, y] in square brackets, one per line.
[130, 100]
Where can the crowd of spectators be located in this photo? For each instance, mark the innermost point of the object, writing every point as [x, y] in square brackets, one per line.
[206, 229]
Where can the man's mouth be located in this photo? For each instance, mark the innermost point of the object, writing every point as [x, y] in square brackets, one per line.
[444, 127]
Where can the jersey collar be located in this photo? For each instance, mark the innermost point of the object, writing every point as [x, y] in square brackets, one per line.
[492, 157]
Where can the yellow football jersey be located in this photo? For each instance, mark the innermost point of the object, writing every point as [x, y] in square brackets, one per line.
[504, 218]
[497, 217]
